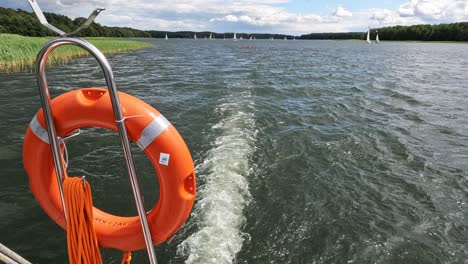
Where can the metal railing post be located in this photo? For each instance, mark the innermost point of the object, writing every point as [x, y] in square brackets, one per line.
[119, 119]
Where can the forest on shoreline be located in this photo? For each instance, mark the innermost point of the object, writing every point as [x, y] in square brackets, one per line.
[25, 23]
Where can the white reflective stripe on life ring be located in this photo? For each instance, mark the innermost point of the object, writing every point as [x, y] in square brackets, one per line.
[152, 131]
[38, 130]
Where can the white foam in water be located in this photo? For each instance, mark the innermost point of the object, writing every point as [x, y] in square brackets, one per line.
[225, 193]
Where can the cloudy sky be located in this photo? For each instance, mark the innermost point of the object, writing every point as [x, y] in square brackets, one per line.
[273, 16]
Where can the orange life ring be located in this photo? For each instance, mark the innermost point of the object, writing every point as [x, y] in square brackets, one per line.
[91, 107]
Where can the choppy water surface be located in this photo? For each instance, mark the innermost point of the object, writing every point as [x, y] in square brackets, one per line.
[306, 151]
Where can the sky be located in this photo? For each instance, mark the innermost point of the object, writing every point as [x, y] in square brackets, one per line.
[261, 16]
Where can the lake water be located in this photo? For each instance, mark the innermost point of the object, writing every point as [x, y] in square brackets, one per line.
[305, 151]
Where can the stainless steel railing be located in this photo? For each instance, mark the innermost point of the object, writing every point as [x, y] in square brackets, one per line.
[60, 169]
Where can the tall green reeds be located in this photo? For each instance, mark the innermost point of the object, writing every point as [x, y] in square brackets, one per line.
[18, 53]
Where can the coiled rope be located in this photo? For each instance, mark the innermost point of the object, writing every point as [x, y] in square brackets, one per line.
[83, 247]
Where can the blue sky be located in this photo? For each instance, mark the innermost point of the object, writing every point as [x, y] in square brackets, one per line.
[272, 16]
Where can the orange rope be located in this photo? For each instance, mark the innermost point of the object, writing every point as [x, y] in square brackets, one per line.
[82, 241]
[126, 258]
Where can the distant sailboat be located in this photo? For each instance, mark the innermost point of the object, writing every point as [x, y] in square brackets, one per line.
[211, 37]
[234, 38]
[166, 37]
[368, 36]
[195, 36]
[377, 40]
[285, 38]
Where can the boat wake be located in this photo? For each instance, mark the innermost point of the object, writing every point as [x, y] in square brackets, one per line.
[224, 190]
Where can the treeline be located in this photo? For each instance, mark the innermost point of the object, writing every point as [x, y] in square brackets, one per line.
[344, 35]
[442, 32]
[26, 24]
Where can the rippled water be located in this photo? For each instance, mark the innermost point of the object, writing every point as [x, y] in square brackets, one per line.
[306, 151]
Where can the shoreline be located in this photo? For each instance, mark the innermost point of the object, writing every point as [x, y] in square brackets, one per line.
[18, 53]
[403, 41]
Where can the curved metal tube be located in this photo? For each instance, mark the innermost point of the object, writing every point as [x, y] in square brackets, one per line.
[119, 119]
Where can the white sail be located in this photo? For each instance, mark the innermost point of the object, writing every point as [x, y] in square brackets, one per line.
[368, 36]
[195, 36]
[166, 37]
[234, 38]
[211, 37]
[377, 40]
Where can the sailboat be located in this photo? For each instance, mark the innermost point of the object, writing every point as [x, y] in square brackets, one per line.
[195, 36]
[368, 36]
[377, 40]
[285, 38]
[211, 37]
[166, 37]
[234, 38]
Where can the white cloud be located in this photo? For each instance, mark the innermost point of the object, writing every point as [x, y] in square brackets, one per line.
[341, 12]
[383, 16]
[432, 10]
[406, 10]
[229, 18]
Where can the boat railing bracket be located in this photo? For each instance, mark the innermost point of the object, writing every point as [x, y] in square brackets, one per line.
[37, 10]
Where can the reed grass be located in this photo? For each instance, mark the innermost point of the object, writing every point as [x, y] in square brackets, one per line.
[18, 53]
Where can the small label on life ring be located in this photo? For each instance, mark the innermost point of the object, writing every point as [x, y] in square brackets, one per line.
[164, 158]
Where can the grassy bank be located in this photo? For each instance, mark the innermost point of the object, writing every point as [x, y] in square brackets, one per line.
[18, 53]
